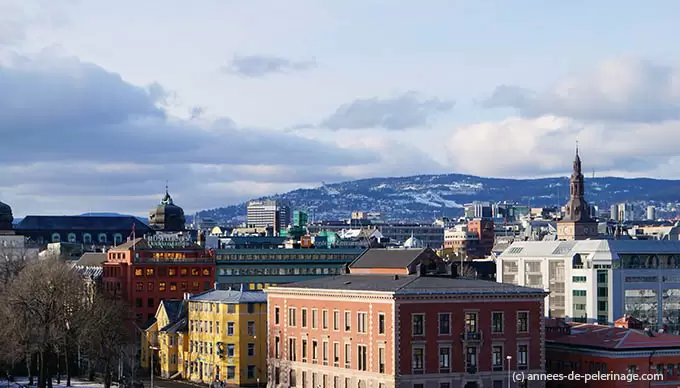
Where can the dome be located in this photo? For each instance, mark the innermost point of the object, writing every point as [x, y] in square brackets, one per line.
[413, 242]
[167, 216]
[6, 217]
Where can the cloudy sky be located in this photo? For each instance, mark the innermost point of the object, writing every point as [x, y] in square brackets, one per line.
[103, 101]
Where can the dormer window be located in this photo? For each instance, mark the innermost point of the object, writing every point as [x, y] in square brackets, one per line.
[87, 238]
[56, 238]
[71, 237]
[102, 237]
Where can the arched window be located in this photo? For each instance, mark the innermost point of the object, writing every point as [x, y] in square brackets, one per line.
[102, 237]
[117, 238]
[87, 238]
[71, 237]
[56, 237]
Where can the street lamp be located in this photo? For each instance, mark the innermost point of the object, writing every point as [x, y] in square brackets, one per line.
[152, 348]
[508, 358]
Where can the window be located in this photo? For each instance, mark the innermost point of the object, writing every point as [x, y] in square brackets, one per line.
[161, 286]
[303, 318]
[291, 317]
[183, 286]
[444, 385]
[381, 323]
[324, 319]
[217, 327]
[336, 320]
[139, 286]
[173, 286]
[231, 309]
[381, 360]
[324, 352]
[523, 322]
[277, 347]
[348, 355]
[578, 279]
[251, 349]
[348, 320]
[315, 352]
[418, 359]
[362, 352]
[138, 302]
[292, 380]
[417, 325]
[172, 271]
[138, 272]
[444, 360]
[471, 357]
[276, 315]
[231, 372]
[250, 372]
[230, 328]
[206, 271]
[522, 351]
[578, 292]
[602, 305]
[315, 314]
[230, 350]
[251, 329]
[444, 323]
[194, 285]
[497, 322]
[194, 272]
[304, 350]
[336, 354]
[497, 358]
[183, 272]
[251, 308]
[150, 302]
[470, 322]
[361, 322]
[292, 349]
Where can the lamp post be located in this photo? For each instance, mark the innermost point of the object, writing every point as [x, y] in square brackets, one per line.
[152, 349]
[508, 358]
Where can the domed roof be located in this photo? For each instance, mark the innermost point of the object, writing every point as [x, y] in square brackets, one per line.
[413, 242]
[6, 217]
[167, 216]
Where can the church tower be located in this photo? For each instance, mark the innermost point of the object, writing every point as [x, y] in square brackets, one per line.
[576, 223]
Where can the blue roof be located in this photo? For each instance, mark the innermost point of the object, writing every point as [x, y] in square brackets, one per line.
[99, 223]
[230, 297]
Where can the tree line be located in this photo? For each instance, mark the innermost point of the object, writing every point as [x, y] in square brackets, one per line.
[54, 322]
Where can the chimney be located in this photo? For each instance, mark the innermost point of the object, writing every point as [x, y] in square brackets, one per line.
[187, 296]
[242, 287]
[396, 277]
[345, 269]
[420, 269]
[215, 285]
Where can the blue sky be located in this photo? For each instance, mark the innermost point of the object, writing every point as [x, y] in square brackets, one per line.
[102, 102]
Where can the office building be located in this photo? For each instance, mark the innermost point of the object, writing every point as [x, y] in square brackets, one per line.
[268, 214]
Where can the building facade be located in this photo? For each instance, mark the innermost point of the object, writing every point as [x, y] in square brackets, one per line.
[412, 322]
[145, 271]
[268, 214]
[589, 349]
[167, 216]
[259, 268]
[596, 281]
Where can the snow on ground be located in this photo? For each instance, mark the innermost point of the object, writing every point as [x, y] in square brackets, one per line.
[22, 382]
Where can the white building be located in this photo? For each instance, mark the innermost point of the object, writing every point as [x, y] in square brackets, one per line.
[600, 280]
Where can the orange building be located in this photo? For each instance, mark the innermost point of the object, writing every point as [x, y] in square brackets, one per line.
[145, 271]
[589, 349]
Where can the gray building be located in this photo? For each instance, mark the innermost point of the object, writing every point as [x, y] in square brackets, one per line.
[268, 213]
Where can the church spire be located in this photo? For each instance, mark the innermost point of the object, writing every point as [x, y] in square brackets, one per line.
[577, 162]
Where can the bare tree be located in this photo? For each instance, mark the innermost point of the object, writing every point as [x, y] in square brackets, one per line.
[38, 301]
[13, 258]
[109, 332]
[467, 271]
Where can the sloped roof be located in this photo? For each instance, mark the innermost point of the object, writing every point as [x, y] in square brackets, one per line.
[91, 259]
[613, 338]
[387, 258]
[410, 284]
[173, 308]
[230, 297]
[99, 223]
[605, 246]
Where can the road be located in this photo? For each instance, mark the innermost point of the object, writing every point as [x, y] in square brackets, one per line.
[161, 383]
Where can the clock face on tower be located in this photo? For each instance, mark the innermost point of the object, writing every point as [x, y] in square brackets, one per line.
[567, 230]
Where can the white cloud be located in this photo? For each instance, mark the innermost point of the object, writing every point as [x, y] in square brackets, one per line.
[625, 89]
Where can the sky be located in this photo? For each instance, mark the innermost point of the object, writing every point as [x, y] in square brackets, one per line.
[102, 102]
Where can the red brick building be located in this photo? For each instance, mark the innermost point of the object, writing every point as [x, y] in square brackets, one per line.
[410, 322]
[145, 271]
[589, 349]
[483, 228]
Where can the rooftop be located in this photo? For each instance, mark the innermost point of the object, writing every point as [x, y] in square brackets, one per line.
[230, 297]
[387, 258]
[98, 223]
[568, 248]
[613, 338]
[91, 259]
[410, 284]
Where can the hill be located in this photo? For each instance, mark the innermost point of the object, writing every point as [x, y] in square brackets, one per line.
[422, 197]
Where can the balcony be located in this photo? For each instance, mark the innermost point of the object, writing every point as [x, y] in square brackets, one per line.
[471, 336]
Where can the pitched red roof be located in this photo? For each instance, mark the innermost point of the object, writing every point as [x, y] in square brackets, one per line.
[613, 338]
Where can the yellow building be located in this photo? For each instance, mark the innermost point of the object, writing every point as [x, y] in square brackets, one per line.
[226, 338]
[163, 338]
